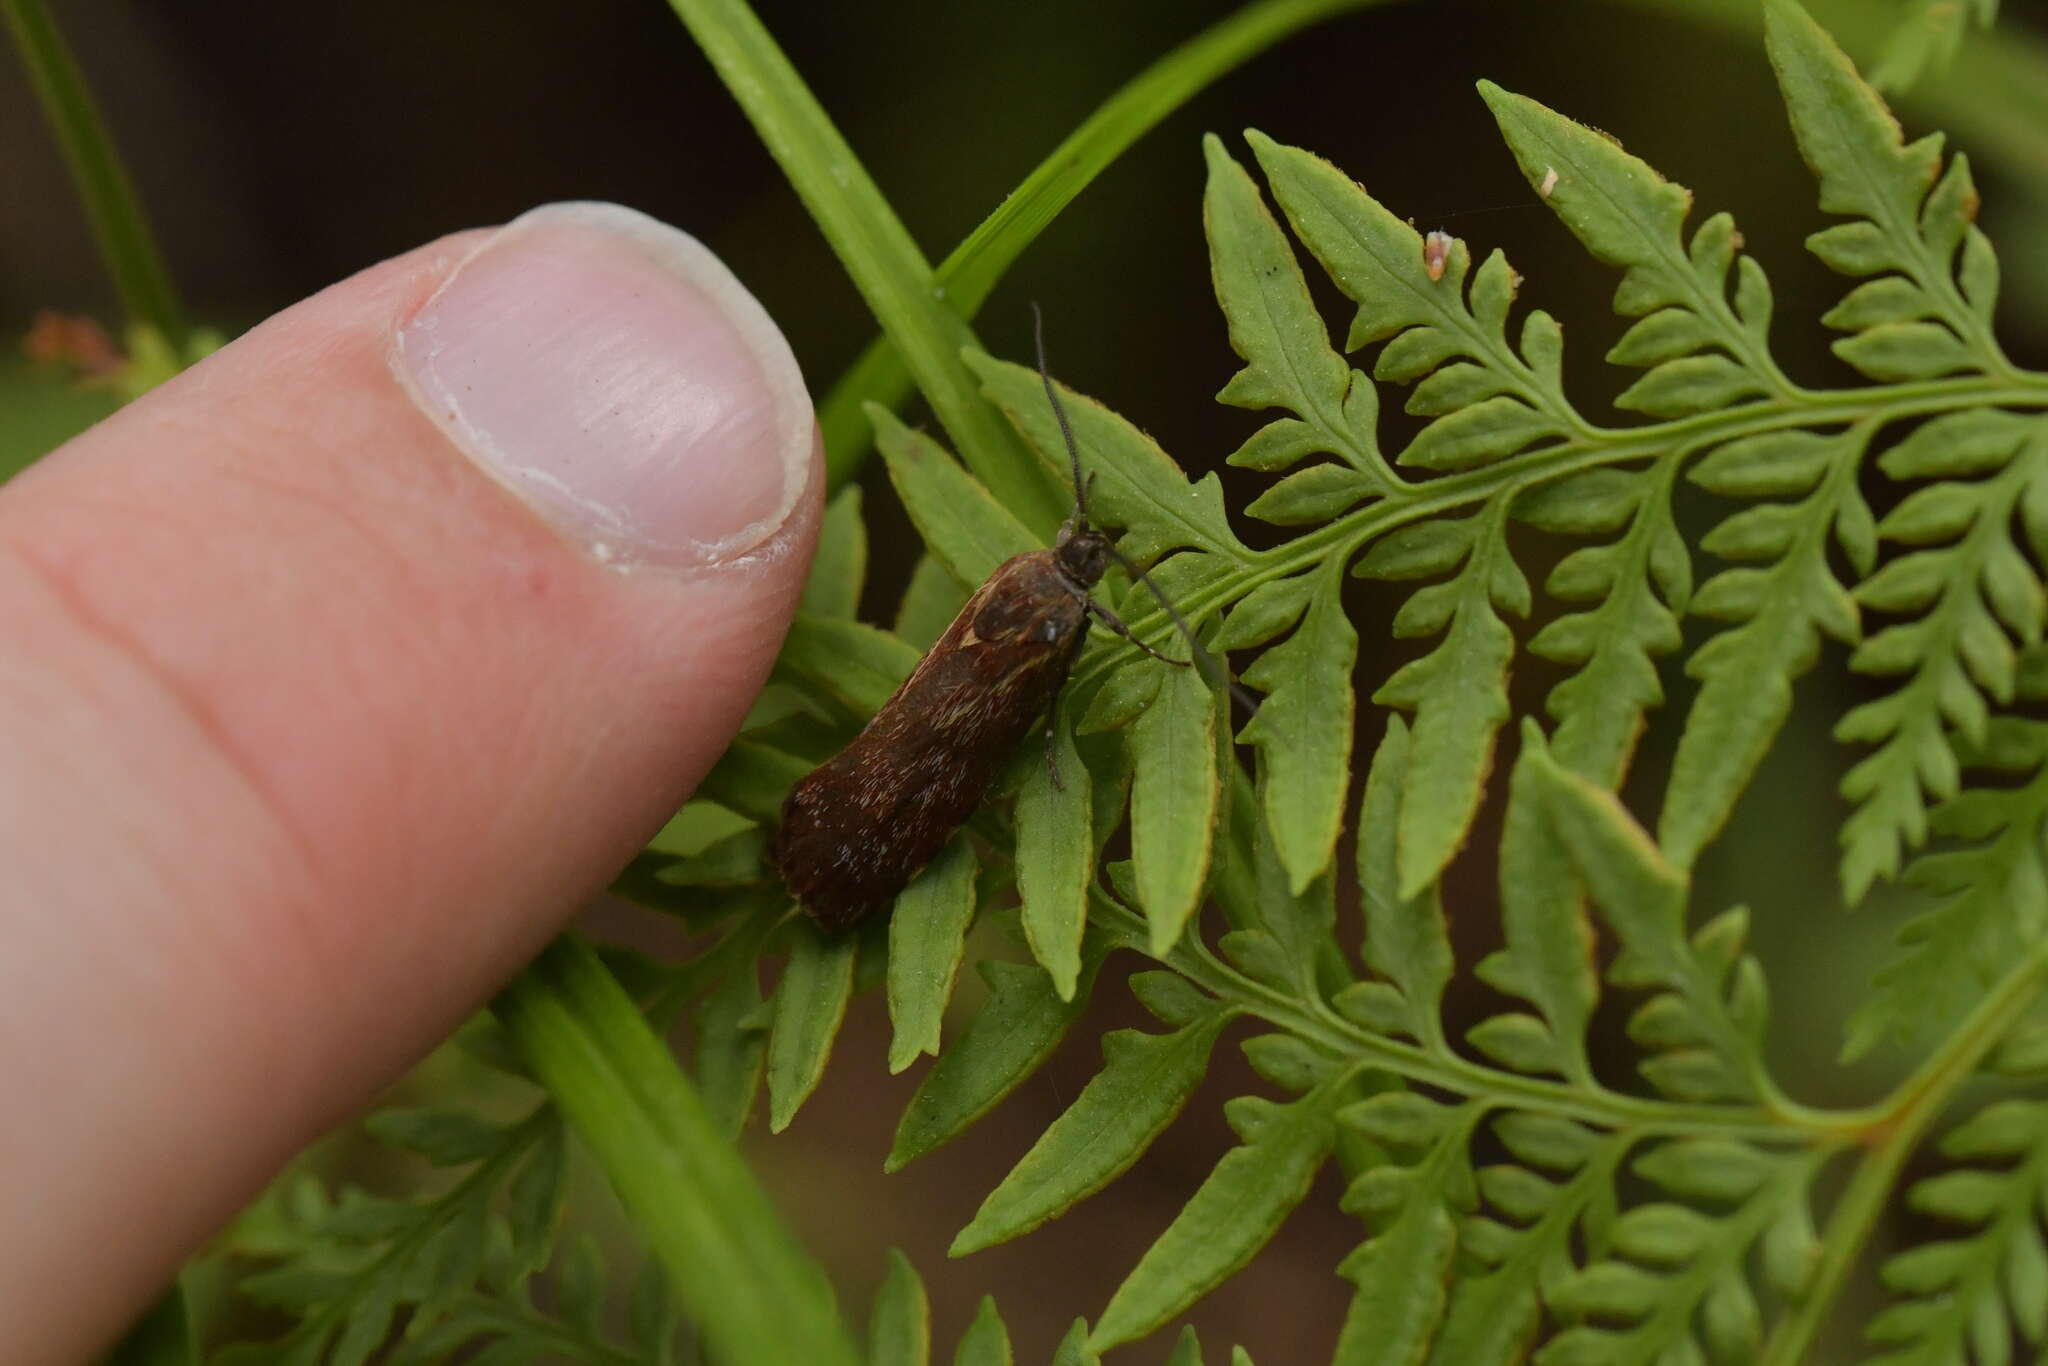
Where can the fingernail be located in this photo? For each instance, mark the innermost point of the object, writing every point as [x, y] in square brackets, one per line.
[612, 372]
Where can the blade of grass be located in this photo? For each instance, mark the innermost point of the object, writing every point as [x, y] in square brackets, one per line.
[757, 1296]
[876, 250]
[971, 271]
[126, 244]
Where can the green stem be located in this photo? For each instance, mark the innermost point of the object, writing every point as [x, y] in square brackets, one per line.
[111, 207]
[1905, 1117]
[1447, 1071]
[1344, 537]
[967, 275]
[761, 1301]
[874, 248]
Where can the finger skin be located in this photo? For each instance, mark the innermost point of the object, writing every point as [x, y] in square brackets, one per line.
[310, 733]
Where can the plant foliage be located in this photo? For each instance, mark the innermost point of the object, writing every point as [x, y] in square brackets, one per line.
[1518, 1196]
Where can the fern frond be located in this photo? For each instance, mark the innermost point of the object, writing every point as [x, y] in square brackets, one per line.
[1972, 599]
[1413, 1209]
[1702, 351]
[1640, 585]
[563, 1319]
[1497, 398]
[1234, 1213]
[1144, 1082]
[807, 1010]
[1992, 897]
[1964, 1299]
[1926, 41]
[1782, 606]
[1458, 691]
[1674, 1285]
[1407, 942]
[1011, 1036]
[1303, 730]
[1933, 276]
[351, 1266]
[1521, 1248]
[1290, 363]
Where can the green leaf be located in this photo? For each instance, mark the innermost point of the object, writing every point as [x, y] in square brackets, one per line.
[810, 1003]
[927, 938]
[1689, 385]
[1274, 326]
[900, 1324]
[753, 778]
[1458, 693]
[1630, 1304]
[856, 665]
[738, 860]
[1403, 1270]
[1478, 435]
[1056, 859]
[840, 565]
[1629, 216]
[1926, 41]
[1868, 170]
[1136, 485]
[1493, 1316]
[1144, 1082]
[1312, 495]
[1970, 605]
[1710, 1045]
[1548, 959]
[1265, 612]
[1380, 263]
[1746, 672]
[1073, 1348]
[873, 246]
[1896, 352]
[1406, 939]
[987, 1341]
[1174, 795]
[1237, 1210]
[1123, 697]
[1303, 732]
[1848, 137]
[963, 527]
[1990, 902]
[654, 1317]
[1016, 1031]
[929, 604]
[1639, 584]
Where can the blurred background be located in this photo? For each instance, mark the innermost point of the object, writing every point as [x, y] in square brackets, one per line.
[278, 148]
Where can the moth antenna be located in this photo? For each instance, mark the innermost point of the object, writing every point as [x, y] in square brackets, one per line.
[1211, 667]
[1060, 414]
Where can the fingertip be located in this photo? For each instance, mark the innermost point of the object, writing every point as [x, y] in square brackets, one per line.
[322, 717]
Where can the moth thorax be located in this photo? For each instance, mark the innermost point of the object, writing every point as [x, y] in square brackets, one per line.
[1083, 554]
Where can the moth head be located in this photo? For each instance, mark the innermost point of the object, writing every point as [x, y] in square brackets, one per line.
[1083, 553]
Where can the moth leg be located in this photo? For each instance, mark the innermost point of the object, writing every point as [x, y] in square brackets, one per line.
[1115, 623]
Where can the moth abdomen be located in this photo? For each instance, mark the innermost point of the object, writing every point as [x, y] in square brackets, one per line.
[857, 828]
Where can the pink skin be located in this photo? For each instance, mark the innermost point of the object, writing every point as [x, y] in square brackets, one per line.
[310, 733]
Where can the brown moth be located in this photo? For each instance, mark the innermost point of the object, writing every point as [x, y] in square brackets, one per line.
[862, 824]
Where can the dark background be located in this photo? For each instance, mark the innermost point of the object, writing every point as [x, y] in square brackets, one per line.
[281, 147]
